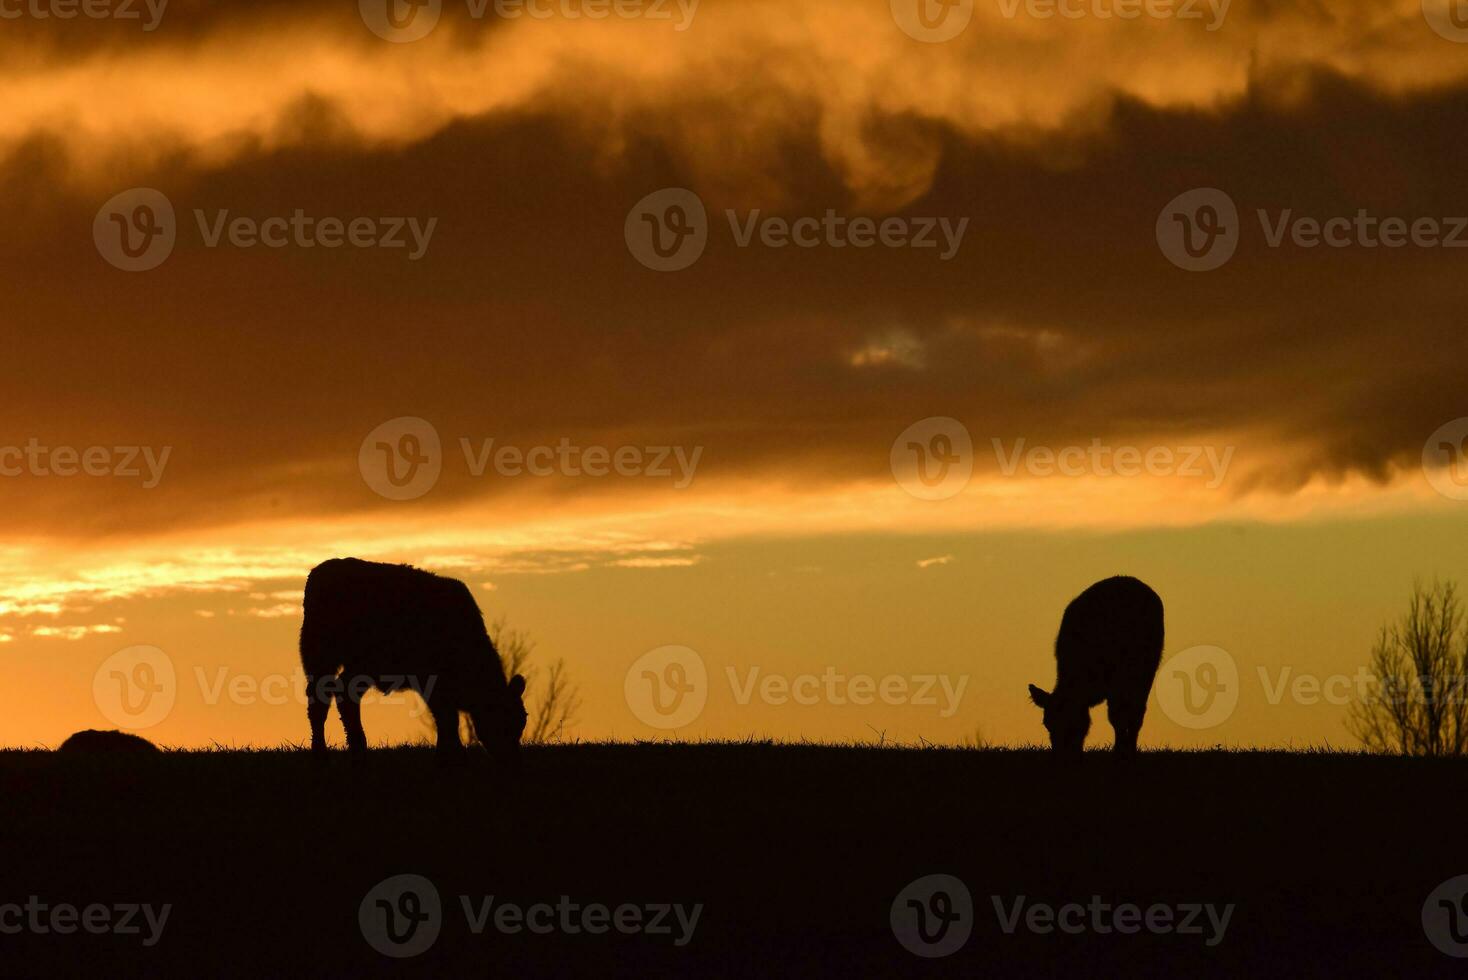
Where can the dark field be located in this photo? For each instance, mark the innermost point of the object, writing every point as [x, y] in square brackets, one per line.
[796, 854]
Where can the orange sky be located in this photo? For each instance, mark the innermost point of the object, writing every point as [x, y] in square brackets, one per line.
[241, 391]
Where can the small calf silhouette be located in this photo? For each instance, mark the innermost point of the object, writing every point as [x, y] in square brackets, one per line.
[93, 740]
[1108, 649]
[394, 627]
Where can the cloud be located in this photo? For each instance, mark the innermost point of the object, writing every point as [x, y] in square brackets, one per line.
[1059, 321]
[73, 632]
[275, 611]
[897, 348]
[679, 561]
[876, 103]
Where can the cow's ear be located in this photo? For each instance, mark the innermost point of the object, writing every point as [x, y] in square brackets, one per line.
[517, 685]
[1038, 697]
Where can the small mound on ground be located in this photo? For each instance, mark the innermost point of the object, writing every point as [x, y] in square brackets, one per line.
[93, 740]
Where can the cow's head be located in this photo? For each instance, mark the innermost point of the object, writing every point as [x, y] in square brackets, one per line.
[499, 720]
[1066, 721]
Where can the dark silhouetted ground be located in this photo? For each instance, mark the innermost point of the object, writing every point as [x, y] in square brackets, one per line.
[796, 854]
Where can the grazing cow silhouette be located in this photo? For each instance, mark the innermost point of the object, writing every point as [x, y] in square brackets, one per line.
[1108, 648]
[95, 740]
[391, 627]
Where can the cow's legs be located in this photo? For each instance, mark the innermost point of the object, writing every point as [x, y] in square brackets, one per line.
[318, 705]
[1126, 721]
[446, 720]
[349, 706]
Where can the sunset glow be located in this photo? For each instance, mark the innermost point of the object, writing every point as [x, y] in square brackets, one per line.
[366, 230]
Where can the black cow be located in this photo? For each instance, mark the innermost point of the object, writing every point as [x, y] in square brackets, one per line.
[390, 627]
[1108, 649]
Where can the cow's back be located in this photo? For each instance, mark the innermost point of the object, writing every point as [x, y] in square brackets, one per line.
[380, 619]
[1111, 635]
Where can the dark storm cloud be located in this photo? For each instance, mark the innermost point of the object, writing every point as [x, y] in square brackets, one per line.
[528, 320]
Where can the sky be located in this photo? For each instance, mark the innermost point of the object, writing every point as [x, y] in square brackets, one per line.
[785, 368]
